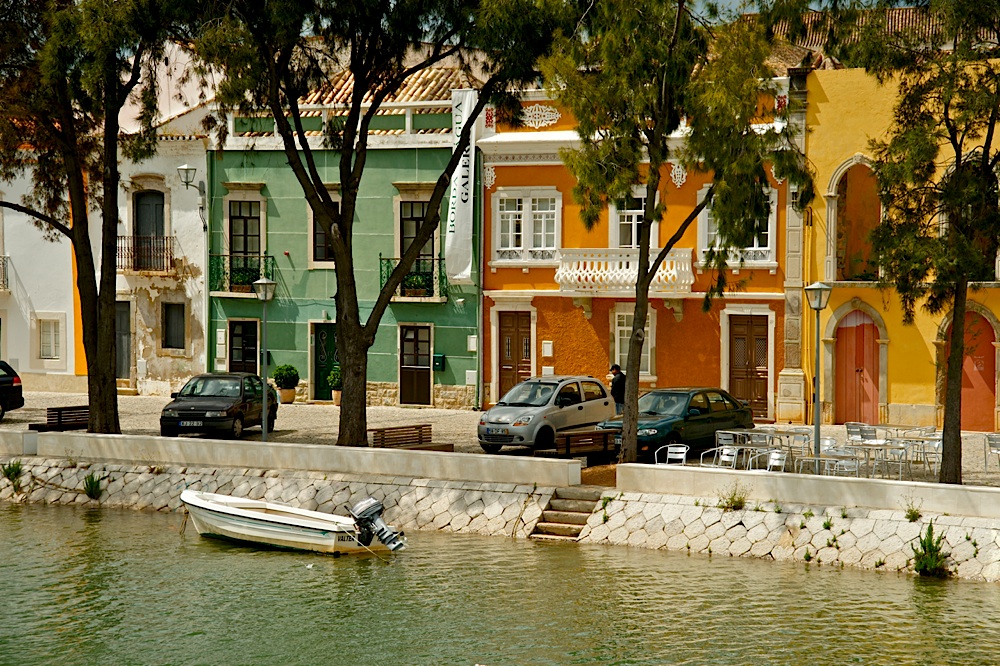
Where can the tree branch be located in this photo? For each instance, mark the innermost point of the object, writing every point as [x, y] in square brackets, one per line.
[42, 217]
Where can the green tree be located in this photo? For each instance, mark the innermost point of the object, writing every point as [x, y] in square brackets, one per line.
[67, 68]
[274, 52]
[634, 74]
[937, 166]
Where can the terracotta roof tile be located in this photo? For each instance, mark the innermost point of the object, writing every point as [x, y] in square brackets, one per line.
[428, 85]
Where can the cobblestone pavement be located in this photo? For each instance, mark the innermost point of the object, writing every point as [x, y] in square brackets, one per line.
[318, 423]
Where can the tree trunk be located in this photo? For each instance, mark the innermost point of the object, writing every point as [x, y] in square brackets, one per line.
[353, 351]
[951, 437]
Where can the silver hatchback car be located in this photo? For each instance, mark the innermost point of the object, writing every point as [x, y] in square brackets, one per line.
[531, 413]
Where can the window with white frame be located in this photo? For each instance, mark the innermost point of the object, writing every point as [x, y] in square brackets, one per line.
[623, 316]
[527, 225]
[626, 221]
[761, 251]
[48, 338]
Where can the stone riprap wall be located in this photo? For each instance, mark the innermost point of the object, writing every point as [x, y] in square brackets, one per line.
[876, 539]
[491, 509]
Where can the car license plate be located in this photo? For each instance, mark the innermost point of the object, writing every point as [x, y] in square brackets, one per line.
[618, 440]
[191, 424]
[496, 431]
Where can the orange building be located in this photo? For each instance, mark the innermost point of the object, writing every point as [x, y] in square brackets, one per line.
[559, 298]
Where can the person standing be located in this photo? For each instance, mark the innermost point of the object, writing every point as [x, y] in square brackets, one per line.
[618, 388]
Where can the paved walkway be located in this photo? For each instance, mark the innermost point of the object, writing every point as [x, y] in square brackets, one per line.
[318, 423]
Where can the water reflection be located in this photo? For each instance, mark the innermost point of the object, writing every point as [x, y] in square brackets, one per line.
[123, 587]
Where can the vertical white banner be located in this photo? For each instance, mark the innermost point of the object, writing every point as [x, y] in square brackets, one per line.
[458, 234]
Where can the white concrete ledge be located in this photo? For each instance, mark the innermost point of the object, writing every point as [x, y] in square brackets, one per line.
[762, 486]
[313, 457]
[12, 442]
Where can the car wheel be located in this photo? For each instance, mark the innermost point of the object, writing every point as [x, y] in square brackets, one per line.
[237, 430]
[491, 448]
[167, 432]
[545, 439]
[3, 411]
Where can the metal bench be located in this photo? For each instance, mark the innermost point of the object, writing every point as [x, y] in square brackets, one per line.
[412, 437]
[63, 418]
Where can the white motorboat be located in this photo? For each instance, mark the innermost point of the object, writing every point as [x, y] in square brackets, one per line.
[283, 526]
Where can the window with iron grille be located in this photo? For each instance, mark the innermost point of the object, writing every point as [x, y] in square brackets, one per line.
[527, 225]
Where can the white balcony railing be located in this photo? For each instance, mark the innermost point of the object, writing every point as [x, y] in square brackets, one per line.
[609, 271]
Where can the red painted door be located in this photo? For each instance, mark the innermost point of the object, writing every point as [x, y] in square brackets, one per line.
[856, 369]
[979, 366]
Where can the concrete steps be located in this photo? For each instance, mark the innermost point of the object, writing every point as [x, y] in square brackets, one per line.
[568, 510]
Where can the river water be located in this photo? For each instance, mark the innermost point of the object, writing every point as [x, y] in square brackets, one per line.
[110, 587]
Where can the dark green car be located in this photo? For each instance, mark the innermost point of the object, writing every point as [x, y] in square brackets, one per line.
[684, 416]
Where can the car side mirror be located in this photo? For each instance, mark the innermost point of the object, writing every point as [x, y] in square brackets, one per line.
[562, 400]
[174, 394]
[694, 411]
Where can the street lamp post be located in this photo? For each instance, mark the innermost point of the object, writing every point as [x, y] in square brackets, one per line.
[818, 295]
[264, 289]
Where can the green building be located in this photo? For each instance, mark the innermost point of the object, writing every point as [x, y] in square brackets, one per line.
[426, 349]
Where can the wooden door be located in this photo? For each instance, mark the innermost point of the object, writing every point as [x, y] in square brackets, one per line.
[978, 374]
[123, 340]
[324, 358]
[515, 349]
[415, 365]
[748, 346]
[856, 369]
[243, 346]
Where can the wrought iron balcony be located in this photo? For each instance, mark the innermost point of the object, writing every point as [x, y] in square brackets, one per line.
[236, 273]
[611, 271]
[141, 254]
[426, 278]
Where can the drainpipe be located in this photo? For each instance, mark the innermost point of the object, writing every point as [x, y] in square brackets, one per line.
[207, 197]
[479, 287]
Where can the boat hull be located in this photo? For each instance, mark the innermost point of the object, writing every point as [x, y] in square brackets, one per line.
[273, 524]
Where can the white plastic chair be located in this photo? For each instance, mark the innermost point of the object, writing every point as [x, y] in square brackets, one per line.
[992, 448]
[675, 453]
[775, 460]
[723, 455]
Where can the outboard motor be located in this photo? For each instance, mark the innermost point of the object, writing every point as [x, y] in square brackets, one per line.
[368, 517]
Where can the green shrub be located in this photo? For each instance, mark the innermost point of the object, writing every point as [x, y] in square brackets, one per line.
[930, 559]
[286, 376]
[335, 379]
[733, 498]
[12, 472]
[92, 486]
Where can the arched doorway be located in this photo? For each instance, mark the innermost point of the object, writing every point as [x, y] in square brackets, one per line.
[978, 373]
[858, 213]
[856, 369]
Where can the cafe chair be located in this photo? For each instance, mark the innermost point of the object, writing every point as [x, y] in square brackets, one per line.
[673, 454]
[992, 448]
[775, 460]
[854, 430]
[723, 455]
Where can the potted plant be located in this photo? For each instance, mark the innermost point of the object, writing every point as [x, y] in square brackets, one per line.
[415, 285]
[286, 377]
[336, 383]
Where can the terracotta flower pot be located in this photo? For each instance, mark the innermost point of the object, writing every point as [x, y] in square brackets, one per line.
[336, 398]
[287, 396]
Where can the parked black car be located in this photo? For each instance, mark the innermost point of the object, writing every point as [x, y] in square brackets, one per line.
[684, 416]
[10, 390]
[220, 403]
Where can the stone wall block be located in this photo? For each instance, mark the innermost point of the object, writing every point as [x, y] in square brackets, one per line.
[760, 549]
[699, 544]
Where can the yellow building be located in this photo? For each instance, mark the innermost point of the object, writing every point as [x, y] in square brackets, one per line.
[875, 369]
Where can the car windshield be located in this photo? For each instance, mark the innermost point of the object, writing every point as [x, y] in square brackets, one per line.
[662, 404]
[213, 387]
[529, 394]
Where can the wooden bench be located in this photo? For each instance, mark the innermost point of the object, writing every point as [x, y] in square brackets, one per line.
[412, 437]
[63, 418]
[570, 444]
